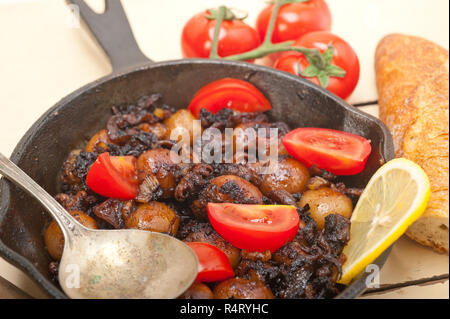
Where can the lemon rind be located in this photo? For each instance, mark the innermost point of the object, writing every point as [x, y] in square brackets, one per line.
[417, 208]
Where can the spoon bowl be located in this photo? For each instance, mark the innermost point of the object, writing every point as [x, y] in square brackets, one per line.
[126, 264]
[113, 264]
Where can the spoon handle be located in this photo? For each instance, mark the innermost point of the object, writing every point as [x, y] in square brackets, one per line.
[12, 172]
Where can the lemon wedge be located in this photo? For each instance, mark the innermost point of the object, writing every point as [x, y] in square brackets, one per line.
[395, 197]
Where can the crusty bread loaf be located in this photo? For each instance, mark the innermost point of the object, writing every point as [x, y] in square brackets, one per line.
[413, 88]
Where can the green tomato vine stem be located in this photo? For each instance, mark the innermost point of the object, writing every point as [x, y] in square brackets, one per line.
[215, 44]
[267, 47]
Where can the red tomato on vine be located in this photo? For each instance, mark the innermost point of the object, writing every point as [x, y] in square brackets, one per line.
[235, 36]
[339, 74]
[294, 19]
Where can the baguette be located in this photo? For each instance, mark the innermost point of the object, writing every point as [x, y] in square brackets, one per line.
[413, 88]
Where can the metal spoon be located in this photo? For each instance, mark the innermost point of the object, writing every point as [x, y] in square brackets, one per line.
[112, 263]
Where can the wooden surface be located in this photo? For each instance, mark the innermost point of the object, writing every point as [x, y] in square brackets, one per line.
[44, 56]
[9, 291]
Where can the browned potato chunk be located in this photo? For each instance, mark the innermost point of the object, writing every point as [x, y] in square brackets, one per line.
[240, 288]
[54, 238]
[182, 120]
[69, 173]
[154, 216]
[226, 189]
[246, 189]
[325, 201]
[290, 176]
[198, 290]
[158, 162]
[241, 139]
[99, 137]
[158, 129]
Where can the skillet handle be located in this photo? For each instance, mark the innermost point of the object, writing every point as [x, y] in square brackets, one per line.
[113, 32]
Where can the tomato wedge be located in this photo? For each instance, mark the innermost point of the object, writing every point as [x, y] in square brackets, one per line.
[254, 227]
[337, 152]
[114, 176]
[229, 93]
[213, 263]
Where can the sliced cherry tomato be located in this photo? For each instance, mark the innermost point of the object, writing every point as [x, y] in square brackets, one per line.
[235, 37]
[344, 57]
[294, 20]
[254, 227]
[337, 152]
[213, 263]
[114, 176]
[229, 93]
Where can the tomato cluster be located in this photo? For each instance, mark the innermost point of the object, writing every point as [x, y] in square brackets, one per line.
[307, 22]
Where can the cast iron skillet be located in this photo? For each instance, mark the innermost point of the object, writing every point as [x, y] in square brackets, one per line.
[69, 123]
